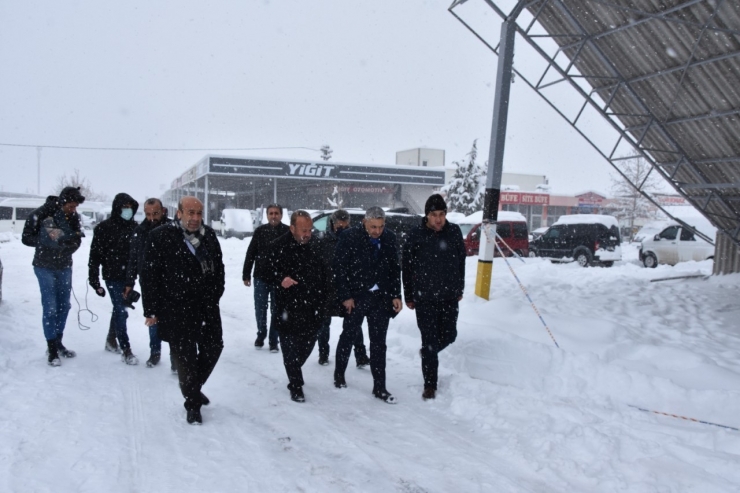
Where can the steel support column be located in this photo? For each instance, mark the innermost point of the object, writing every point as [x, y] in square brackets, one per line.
[496, 158]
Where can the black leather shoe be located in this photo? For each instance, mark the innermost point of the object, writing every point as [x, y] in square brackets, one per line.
[384, 396]
[339, 382]
[194, 417]
[204, 400]
[429, 393]
[296, 395]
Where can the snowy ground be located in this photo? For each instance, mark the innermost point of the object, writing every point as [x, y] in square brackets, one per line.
[513, 413]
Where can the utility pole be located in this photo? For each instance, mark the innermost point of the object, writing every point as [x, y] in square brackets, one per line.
[496, 153]
[38, 171]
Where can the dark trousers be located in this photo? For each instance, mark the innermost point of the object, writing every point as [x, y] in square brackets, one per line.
[298, 338]
[438, 325]
[195, 359]
[264, 292]
[324, 349]
[374, 307]
[119, 315]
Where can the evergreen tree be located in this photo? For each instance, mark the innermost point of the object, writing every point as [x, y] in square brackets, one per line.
[466, 189]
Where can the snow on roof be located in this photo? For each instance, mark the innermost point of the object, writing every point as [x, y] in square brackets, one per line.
[477, 217]
[607, 221]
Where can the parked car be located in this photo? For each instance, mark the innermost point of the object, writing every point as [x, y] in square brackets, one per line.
[510, 226]
[589, 239]
[672, 245]
[398, 222]
[238, 223]
[536, 233]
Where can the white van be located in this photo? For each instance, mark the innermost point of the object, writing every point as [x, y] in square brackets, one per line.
[672, 245]
[89, 212]
[237, 222]
[15, 211]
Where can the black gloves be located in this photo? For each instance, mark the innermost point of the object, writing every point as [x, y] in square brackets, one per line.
[98, 289]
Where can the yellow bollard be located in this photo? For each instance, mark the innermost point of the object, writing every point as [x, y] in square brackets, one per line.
[483, 279]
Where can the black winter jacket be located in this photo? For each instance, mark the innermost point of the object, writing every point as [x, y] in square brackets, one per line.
[177, 288]
[111, 244]
[259, 250]
[55, 235]
[357, 268]
[328, 249]
[433, 264]
[305, 264]
[136, 253]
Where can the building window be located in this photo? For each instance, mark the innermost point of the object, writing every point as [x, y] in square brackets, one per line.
[423, 163]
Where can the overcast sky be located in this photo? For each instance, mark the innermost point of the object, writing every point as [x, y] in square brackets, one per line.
[366, 78]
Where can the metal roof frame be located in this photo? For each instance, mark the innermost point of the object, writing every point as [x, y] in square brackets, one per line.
[664, 75]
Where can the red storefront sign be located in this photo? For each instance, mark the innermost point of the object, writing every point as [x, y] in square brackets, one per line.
[524, 198]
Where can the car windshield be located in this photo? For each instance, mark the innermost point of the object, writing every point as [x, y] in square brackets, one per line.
[465, 228]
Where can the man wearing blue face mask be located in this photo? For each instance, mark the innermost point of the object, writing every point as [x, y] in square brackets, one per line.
[110, 249]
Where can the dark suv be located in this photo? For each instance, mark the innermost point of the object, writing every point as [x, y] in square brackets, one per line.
[588, 242]
[398, 222]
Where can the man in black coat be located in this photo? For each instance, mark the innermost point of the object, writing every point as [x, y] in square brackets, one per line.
[264, 279]
[368, 280]
[301, 296]
[110, 248]
[433, 284]
[156, 215]
[338, 222]
[54, 231]
[182, 284]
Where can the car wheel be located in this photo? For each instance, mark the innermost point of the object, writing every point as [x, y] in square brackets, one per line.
[583, 258]
[532, 253]
[650, 261]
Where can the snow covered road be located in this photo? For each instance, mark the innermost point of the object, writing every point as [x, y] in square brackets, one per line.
[513, 412]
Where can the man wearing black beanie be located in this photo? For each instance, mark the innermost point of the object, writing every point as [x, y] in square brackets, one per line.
[54, 231]
[433, 283]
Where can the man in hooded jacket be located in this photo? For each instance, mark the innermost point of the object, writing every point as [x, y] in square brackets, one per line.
[182, 284]
[110, 248]
[54, 231]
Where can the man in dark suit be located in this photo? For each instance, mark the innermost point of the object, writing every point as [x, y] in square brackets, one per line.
[182, 284]
[368, 281]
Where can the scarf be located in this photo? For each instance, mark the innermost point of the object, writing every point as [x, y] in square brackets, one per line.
[201, 252]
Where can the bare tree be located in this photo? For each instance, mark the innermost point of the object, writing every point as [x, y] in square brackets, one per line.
[75, 180]
[628, 202]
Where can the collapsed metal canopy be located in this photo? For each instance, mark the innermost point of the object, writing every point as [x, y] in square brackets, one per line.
[665, 74]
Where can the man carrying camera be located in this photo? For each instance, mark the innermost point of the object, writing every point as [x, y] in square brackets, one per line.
[54, 231]
[110, 248]
[156, 215]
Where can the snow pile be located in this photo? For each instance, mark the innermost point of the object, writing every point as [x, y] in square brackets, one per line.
[513, 412]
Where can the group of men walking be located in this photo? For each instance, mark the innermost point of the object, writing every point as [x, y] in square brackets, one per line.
[353, 271]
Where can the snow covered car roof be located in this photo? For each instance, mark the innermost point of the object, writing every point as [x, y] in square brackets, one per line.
[477, 217]
[607, 221]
